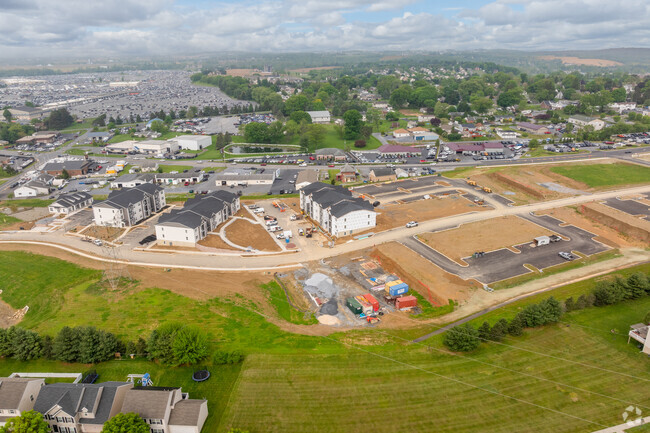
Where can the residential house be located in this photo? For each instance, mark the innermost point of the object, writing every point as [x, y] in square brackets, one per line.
[381, 174]
[149, 166]
[306, 177]
[622, 107]
[166, 410]
[69, 203]
[132, 179]
[532, 128]
[581, 121]
[400, 173]
[347, 174]
[39, 185]
[331, 154]
[401, 133]
[80, 408]
[199, 216]
[319, 116]
[336, 210]
[129, 206]
[639, 333]
[74, 167]
[17, 395]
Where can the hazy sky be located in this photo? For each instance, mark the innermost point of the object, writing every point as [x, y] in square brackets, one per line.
[88, 27]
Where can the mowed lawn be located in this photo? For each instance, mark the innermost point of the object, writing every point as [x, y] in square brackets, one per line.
[421, 389]
[600, 175]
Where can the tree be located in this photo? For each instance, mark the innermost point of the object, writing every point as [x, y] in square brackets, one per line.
[295, 103]
[126, 423]
[516, 326]
[400, 96]
[65, 345]
[509, 98]
[298, 116]
[484, 331]
[499, 330]
[637, 285]
[481, 104]
[59, 119]
[463, 338]
[160, 343]
[100, 120]
[255, 132]
[392, 116]
[353, 124]
[7, 114]
[315, 134]
[64, 174]
[190, 345]
[569, 304]
[366, 131]
[28, 422]
[26, 345]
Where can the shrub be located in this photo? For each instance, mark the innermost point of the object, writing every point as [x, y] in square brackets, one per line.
[221, 357]
[463, 338]
[360, 143]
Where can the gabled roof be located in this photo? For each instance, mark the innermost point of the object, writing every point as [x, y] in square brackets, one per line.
[76, 164]
[393, 148]
[127, 196]
[68, 200]
[148, 402]
[310, 176]
[382, 171]
[12, 390]
[345, 207]
[186, 412]
[197, 209]
[318, 113]
[347, 168]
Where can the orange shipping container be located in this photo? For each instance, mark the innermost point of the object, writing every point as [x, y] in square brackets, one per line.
[372, 300]
[406, 302]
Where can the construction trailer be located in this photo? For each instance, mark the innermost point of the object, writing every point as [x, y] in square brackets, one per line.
[542, 240]
[366, 306]
[406, 302]
[354, 305]
[396, 288]
[373, 301]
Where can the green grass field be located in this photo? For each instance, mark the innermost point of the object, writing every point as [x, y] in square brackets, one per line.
[25, 202]
[178, 168]
[371, 379]
[6, 220]
[284, 309]
[603, 175]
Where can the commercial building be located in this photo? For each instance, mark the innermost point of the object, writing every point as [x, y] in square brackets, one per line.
[533, 128]
[395, 150]
[331, 154]
[306, 177]
[381, 174]
[149, 147]
[238, 177]
[33, 188]
[74, 167]
[17, 395]
[69, 203]
[336, 210]
[581, 121]
[475, 148]
[319, 116]
[80, 408]
[166, 410]
[194, 176]
[193, 142]
[39, 138]
[200, 215]
[25, 114]
[129, 206]
[347, 174]
[132, 179]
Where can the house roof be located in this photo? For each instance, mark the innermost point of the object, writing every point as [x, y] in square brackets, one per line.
[382, 171]
[75, 164]
[309, 176]
[529, 125]
[583, 118]
[318, 113]
[144, 177]
[69, 200]
[148, 402]
[127, 196]
[197, 209]
[400, 131]
[350, 205]
[347, 168]
[12, 390]
[73, 397]
[186, 412]
[393, 148]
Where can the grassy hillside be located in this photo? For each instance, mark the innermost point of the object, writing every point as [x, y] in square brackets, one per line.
[600, 175]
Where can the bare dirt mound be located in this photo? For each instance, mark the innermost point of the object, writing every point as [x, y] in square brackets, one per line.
[246, 234]
[626, 224]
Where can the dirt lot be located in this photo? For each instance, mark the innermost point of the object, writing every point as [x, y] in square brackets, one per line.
[103, 233]
[522, 184]
[243, 233]
[628, 225]
[578, 61]
[430, 281]
[485, 236]
[215, 241]
[6, 313]
[395, 215]
[24, 225]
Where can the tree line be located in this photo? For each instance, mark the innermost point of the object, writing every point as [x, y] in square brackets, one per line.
[465, 338]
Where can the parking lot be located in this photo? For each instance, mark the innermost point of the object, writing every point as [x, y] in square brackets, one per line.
[631, 207]
[502, 264]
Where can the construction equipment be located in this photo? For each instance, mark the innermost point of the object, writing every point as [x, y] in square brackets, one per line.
[372, 319]
[486, 189]
[471, 182]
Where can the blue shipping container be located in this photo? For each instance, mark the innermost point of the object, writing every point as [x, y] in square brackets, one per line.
[399, 289]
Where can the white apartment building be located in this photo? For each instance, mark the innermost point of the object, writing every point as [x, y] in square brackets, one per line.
[335, 210]
[129, 206]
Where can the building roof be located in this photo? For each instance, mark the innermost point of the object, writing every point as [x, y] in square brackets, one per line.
[72, 398]
[583, 118]
[73, 164]
[330, 151]
[186, 412]
[347, 168]
[382, 171]
[197, 209]
[393, 148]
[12, 390]
[26, 109]
[125, 197]
[318, 113]
[245, 177]
[339, 200]
[129, 177]
[529, 125]
[73, 199]
[400, 131]
[148, 402]
[309, 176]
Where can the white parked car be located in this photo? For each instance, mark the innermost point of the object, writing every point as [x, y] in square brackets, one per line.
[271, 223]
[259, 210]
[411, 224]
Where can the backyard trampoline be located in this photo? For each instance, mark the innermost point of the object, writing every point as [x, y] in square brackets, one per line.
[201, 375]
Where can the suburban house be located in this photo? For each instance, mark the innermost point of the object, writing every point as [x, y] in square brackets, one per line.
[401, 133]
[582, 121]
[132, 179]
[639, 333]
[74, 167]
[17, 395]
[347, 174]
[193, 142]
[306, 177]
[381, 174]
[336, 210]
[330, 154]
[166, 410]
[33, 188]
[622, 107]
[148, 166]
[80, 408]
[129, 206]
[319, 116]
[69, 203]
[200, 215]
[533, 128]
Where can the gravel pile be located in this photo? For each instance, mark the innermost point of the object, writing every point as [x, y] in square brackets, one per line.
[322, 286]
[331, 307]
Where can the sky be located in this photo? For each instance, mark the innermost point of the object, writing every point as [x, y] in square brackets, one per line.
[50, 28]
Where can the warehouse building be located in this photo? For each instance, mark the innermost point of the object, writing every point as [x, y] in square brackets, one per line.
[193, 142]
[336, 210]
